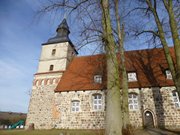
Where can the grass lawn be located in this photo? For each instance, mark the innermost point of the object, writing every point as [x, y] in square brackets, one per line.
[51, 132]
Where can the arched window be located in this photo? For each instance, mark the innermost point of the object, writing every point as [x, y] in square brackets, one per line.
[53, 52]
[75, 106]
[42, 82]
[51, 67]
[97, 101]
[133, 101]
[176, 99]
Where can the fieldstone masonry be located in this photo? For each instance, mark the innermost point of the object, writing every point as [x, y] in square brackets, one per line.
[86, 118]
[40, 109]
[49, 110]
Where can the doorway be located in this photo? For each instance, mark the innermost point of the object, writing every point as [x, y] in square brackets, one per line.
[148, 119]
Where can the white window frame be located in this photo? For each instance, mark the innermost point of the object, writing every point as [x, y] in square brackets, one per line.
[168, 74]
[98, 78]
[75, 106]
[133, 101]
[175, 99]
[97, 102]
[132, 77]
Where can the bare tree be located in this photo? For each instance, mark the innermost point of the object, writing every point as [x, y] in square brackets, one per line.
[164, 15]
[98, 27]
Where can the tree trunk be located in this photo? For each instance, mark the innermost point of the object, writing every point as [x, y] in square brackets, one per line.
[175, 71]
[124, 82]
[175, 37]
[113, 106]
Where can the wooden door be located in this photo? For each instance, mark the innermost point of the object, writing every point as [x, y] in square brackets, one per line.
[148, 119]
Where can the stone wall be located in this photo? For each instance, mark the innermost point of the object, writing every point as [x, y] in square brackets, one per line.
[53, 110]
[159, 101]
[86, 118]
[40, 107]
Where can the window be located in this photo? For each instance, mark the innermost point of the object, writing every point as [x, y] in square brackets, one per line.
[133, 101]
[97, 102]
[53, 52]
[168, 74]
[98, 79]
[51, 67]
[132, 77]
[176, 99]
[75, 106]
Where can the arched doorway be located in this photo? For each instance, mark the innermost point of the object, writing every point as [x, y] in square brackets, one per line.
[148, 119]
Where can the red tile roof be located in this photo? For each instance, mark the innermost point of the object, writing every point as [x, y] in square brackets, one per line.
[149, 65]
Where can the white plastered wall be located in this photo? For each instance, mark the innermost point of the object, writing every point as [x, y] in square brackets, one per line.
[59, 60]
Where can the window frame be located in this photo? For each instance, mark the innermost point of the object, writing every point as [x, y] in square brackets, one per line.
[51, 67]
[97, 101]
[168, 74]
[176, 97]
[130, 79]
[135, 105]
[75, 106]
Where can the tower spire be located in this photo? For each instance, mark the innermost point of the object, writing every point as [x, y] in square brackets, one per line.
[62, 33]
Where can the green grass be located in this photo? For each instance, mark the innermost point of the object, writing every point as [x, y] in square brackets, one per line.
[51, 132]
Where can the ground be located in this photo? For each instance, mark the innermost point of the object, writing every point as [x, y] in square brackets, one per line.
[150, 131]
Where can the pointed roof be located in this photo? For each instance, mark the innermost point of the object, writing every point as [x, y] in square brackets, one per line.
[63, 25]
[62, 34]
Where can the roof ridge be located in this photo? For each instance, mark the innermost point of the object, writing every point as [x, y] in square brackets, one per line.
[150, 49]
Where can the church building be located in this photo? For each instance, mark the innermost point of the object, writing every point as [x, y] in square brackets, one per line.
[69, 91]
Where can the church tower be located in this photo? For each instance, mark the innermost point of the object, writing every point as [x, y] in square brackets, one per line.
[56, 54]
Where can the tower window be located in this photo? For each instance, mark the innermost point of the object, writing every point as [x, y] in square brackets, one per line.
[51, 67]
[53, 52]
